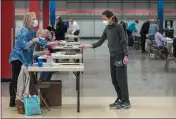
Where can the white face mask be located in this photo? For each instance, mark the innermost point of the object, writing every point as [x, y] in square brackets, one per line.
[105, 22]
[35, 23]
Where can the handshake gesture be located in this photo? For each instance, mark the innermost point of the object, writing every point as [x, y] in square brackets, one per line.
[85, 46]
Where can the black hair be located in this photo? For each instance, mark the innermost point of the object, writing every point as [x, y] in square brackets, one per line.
[123, 24]
[49, 28]
[161, 30]
[136, 21]
[114, 19]
[107, 13]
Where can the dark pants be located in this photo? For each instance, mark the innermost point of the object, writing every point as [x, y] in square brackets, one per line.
[119, 77]
[130, 38]
[16, 67]
[45, 76]
[143, 40]
[76, 33]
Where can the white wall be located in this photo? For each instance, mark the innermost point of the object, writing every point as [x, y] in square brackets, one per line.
[89, 28]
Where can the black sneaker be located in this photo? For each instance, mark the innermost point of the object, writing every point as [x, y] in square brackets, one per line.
[123, 105]
[117, 102]
[143, 51]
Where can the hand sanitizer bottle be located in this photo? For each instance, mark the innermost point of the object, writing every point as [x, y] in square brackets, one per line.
[49, 60]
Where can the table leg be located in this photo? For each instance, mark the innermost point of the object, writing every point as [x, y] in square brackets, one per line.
[77, 73]
[82, 57]
[78, 91]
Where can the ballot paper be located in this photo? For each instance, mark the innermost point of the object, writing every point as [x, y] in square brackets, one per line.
[169, 40]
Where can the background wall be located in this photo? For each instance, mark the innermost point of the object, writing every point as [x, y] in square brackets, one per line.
[88, 12]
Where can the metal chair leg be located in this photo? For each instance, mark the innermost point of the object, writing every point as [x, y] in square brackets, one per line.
[42, 98]
[43, 94]
[167, 65]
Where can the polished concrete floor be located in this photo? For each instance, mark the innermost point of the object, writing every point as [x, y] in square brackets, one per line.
[152, 88]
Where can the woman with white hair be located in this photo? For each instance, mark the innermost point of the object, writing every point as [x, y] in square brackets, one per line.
[22, 53]
[154, 27]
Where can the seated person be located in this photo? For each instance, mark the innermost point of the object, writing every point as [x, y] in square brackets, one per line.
[47, 35]
[159, 40]
[44, 76]
[50, 33]
[174, 47]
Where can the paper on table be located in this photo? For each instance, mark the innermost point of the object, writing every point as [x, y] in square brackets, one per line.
[54, 54]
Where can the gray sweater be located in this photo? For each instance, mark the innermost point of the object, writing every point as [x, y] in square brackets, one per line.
[117, 43]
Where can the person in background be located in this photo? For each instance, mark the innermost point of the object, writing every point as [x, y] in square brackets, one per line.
[114, 20]
[152, 30]
[118, 58]
[60, 29]
[174, 47]
[143, 33]
[22, 53]
[51, 34]
[159, 40]
[156, 21]
[74, 29]
[130, 29]
[126, 22]
[124, 25]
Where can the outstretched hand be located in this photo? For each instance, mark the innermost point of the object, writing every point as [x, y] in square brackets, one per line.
[54, 43]
[46, 52]
[85, 46]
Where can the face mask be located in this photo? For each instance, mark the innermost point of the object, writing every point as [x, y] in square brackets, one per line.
[35, 23]
[105, 22]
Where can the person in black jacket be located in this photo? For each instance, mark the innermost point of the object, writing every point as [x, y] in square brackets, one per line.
[117, 45]
[143, 33]
[124, 25]
[60, 29]
[174, 47]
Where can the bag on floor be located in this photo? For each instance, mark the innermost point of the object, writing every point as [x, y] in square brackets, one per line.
[45, 76]
[32, 106]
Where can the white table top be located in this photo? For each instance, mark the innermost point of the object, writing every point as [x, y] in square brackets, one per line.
[169, 40]
[59, 55]
[66, 48]
[71, 36]
[74, 43]
[66, 67]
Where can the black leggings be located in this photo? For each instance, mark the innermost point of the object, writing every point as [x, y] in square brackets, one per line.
[143, 40]
[16, 67]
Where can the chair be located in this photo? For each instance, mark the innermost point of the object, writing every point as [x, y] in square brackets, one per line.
[137, 43]
[43, 97]
[155, 50]
[35, 85]
[170, 58]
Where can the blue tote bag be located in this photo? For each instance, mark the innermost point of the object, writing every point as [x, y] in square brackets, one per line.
[32, 106]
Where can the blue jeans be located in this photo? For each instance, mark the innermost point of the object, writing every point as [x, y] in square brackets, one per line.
[45, 76]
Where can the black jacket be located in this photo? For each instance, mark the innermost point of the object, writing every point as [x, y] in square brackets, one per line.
[145, 28]
[174, 47]
[116, 40]
[60, 31]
